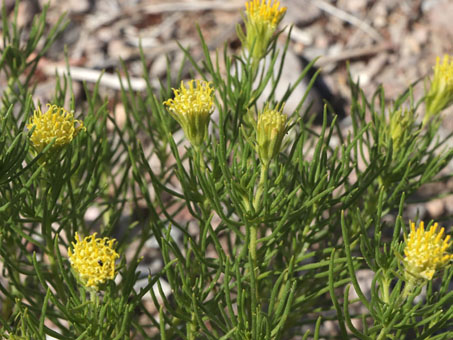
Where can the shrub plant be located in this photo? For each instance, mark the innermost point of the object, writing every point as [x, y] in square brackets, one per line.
[280, 215]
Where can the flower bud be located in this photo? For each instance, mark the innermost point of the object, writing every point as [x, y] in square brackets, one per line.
[192, 107]
[270, 130]
[401, 126]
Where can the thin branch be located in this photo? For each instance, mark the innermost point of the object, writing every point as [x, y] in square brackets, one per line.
[193, 6]
[92, 76]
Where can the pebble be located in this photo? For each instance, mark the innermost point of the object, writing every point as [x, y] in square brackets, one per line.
[436, 208]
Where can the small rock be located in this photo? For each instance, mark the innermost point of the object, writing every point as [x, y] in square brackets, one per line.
[117, 49]
[359, 72]
[175, 234]
[415, 212]
[92, 213]
[421, 34]
[159, 66]
[435, 207]
[119, 117]
[79, 6]
[410, 46]
[380, 15]
[440, 17]
[26, 11]
[301, 13]
[448, 202]
[354, 6]
[365, 279]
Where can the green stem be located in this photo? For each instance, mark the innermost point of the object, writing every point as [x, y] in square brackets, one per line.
[93, 297]
[94, 308]
[254, 66]
[408, 288]
[200, 159]
[386, 298]
[256, 202]
[260, 189]
[206, 205]
[254, 227]
[382, 335]
[386, 290]
[192, 329]
[9, 87]
[252, 243]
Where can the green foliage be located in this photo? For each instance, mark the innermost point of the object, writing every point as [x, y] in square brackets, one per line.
[277, 245]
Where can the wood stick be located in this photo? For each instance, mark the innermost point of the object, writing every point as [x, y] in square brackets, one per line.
[92, 76]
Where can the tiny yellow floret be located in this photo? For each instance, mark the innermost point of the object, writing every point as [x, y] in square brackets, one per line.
[93, 259]
[192, 107]
[440, 94]
[261, 21]
[56, 123]
[426, 252]
[270, 130]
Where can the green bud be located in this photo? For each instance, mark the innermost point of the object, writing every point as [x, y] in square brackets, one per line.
[270, 130]
[401, 123]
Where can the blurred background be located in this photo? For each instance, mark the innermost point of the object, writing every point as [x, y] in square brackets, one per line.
[385, 41]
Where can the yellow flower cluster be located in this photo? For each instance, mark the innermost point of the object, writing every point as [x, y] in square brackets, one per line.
[426, 252]
[93, 259]
[265, 12]
[270, 130]
[440, 93]
[191, 107]
[56, 123]
[261, 22]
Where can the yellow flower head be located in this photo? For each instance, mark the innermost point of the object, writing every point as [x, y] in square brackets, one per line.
[56, 123]
[93, 259]
[270, 130]
[440, 94]
[264, 12]
[426, 252]
[191, 107]
[261, 20]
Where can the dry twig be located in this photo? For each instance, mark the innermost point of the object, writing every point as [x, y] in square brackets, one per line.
[92, 76]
